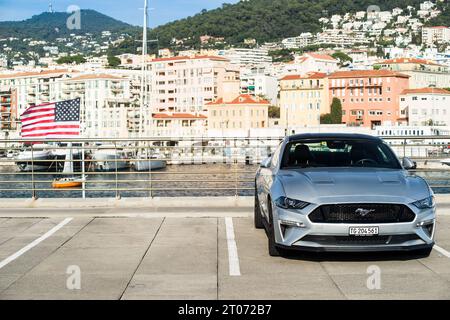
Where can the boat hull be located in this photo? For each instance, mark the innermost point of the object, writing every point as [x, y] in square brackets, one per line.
[152, 164]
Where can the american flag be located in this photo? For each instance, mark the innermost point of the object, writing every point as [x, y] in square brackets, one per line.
[53, 120]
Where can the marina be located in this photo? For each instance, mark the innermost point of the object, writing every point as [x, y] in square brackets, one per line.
[167, 167]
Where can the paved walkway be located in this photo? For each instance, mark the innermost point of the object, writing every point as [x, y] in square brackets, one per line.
[161, 257]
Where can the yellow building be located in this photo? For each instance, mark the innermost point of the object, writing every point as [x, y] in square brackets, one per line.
[303, 99]
[242, 113]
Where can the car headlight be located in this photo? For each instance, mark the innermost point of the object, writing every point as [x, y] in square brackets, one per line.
[288, 203]
[426, 203]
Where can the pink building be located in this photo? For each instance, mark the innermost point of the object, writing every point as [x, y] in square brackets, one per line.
[369, 97]
[187, 84]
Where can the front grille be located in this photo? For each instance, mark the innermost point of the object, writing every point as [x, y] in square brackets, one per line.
[353, 240]
[362, 213]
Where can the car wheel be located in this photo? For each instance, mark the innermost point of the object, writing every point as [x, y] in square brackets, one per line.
[424, 252]
[273, 249]
[257, 216]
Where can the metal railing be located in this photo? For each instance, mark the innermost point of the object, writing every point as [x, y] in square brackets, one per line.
[185, 166]
[124, 167]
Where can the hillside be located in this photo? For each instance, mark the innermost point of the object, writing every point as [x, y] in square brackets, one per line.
[48, 26]
[266, 20]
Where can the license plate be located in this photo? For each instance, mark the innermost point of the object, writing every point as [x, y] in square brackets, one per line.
[363, 231]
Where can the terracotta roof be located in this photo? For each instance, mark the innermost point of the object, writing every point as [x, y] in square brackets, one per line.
[366, 73]
[311, 75]
[409, 60]
[95, 76]
[426, 90]
[178, 116]
[179, 58]
[320, 56]
[437, 27]
[33, 74]
[241, 99]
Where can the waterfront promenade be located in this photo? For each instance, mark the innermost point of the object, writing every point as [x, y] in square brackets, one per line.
[190, 248]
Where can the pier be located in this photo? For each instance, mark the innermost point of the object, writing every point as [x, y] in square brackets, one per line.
[186, 232]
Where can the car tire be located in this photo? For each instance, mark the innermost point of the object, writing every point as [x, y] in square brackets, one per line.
[274, 251]
[424, 252]
[257, 215]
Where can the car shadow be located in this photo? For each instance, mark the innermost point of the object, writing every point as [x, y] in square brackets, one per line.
[351, 256]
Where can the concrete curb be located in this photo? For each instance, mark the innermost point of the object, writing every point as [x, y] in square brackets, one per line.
[160, 202]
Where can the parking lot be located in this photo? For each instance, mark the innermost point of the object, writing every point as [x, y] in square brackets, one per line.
[180, 257]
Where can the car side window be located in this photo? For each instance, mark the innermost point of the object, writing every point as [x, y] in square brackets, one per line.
[276, 157]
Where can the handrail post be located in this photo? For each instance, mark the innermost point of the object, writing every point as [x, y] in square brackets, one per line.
[83, 170]
[404, 147]
[149, 170]
[116, 164]
[33, 186]
[235, 172]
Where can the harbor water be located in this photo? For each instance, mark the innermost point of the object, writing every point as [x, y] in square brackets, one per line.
[172, 181]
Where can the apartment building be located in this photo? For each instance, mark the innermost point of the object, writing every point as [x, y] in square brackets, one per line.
[187, 84]
[246, 57]
[107, 110]
[257, 82]
[33, 87]
[316, 62]
[8, 111]
[303, 98]
[303, 40]
[423, 73]
[244, 112]
[435, 35]
[369, 97]
[425, 106]
[178, 125]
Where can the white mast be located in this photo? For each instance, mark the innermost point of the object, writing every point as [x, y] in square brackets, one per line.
[144, 85]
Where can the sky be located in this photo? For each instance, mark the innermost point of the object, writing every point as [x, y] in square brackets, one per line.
[125, 10]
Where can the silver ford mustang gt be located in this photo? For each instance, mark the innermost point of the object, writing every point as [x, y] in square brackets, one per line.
[342, 192]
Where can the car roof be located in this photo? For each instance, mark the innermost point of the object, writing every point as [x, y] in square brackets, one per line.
[347, 136]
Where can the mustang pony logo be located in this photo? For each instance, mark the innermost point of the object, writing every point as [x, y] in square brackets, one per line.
[364, 212]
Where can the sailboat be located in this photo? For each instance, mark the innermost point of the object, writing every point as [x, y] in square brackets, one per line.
[68, 181]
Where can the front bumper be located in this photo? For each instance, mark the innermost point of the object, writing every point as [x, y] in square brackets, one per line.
[294, 230]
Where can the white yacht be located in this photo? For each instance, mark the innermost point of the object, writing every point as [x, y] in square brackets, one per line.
[108, 158]
[36, 158]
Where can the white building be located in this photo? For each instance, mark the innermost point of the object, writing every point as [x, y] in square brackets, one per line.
[257, 83]
[432, 35]
[303, 40]
[244, 57]
[178, 125]
[425, 106]
[106, 108]
[312, 62]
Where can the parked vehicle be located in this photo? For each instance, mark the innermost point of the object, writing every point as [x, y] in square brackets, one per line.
[342, 192]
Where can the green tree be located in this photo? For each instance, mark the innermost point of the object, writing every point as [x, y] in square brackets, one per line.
[77, 59]
[274, 112]
[335, 115]
[113, 61]
[342, 57]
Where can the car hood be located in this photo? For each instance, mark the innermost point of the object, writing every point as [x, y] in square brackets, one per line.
[330, 185]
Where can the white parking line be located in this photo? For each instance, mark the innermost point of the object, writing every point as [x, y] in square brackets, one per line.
[30, 246]
[233, 257]
[442, 251]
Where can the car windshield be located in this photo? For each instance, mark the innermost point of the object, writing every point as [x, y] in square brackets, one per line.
[339, 153]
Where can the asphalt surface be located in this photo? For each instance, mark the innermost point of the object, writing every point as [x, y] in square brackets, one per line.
[197, 258]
